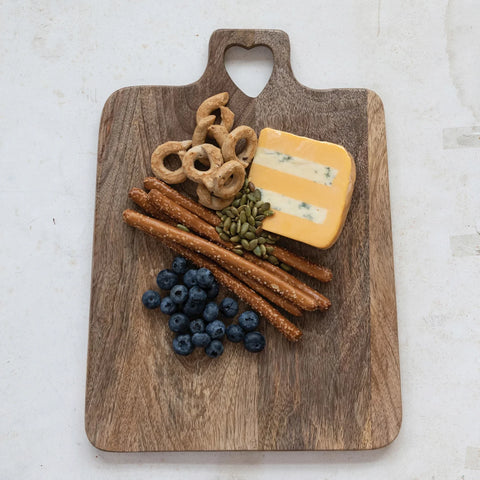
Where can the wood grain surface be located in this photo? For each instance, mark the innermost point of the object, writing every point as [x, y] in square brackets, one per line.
[339, 387]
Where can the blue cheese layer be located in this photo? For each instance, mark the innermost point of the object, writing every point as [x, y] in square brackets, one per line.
[299, 167]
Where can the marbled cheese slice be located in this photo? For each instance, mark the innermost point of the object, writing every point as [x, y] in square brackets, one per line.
[308, 183]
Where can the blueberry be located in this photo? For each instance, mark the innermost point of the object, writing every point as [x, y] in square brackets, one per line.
[178, 323]
[254, 342]
[190, 278]
[151, 299]
[197, 295]
[179, 293]
[216, 329]
[210, 312]
[166, 279]
[192, 308]
[248, 321]
[214, 349]
[229, 307]
[167, 306]
[179, 265]
[197, 326]
[235, 333]
[182, 344]
[201, 339]
[205, 278]
[212, 292]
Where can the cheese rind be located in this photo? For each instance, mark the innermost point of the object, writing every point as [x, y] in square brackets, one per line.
[308, 183]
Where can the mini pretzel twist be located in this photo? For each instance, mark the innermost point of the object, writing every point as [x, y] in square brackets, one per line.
[207, 152]
[200, 132]
[217, 102]
[230, 142]
[218, 132]
[227, 180]
[211, 201]
[158, 161]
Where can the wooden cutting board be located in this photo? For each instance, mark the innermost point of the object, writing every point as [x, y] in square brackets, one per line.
[339, 388]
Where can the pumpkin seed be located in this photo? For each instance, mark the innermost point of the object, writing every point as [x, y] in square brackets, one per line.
[241, 208]
[268, 213]
[259, 217]
[182, 227]
[257, 251]
[224, 237]
[238, 251]
[257, 195]
[264, 207]
[219, 230]
[251, 220]
[270, 241]
[269, 249]
[261, 240]
[236, 202]
[234, 210]
[224, 211]
[253, 243]
[286, 267]
[244, 229]
[243, 216]
[233, 229]
[226, 224]
[251, 228]
[258, 223]
[239, 195]
[273, 260]
[239, 225]
[258, 204]
[249, 236]
[243, 201]
[248, 210]
[235, 239]
[219, 214]
[245, 244]
[263, 250]
[251, 196]
[254, 211]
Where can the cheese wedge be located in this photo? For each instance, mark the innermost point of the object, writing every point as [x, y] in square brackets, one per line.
[308, 183]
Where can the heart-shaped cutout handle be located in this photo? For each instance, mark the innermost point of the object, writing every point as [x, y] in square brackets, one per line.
[275, 40]
[250, 69]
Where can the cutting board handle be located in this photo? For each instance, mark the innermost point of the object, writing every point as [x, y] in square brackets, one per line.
[276, 40]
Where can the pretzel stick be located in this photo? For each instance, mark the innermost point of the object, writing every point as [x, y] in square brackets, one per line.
[299, 263]
[171, 209]
[228, 260]
[288, 329]
[194, 207]
[141, 198]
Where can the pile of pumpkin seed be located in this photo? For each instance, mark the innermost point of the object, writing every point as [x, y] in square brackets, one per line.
[242, 225]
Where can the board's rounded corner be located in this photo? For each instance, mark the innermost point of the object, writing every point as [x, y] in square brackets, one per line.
[93, 440]
[393, 435]
[374, 97]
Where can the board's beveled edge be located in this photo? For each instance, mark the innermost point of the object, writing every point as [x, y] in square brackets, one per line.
[386, 405]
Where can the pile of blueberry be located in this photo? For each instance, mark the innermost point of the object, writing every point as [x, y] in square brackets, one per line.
[194, 316]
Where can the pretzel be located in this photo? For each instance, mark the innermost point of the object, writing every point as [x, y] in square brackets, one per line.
[211, 201]
[200, 132]
[214, 103]
[230, 142]
[207, 152]
[226, 181]
[162, 206]
[288, 329]
[187, 203]
[158, 158]
[218, 132]
[228, 260]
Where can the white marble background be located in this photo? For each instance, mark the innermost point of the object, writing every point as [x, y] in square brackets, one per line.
[60, 60]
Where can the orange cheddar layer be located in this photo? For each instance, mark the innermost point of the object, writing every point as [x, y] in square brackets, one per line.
[308, 183]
